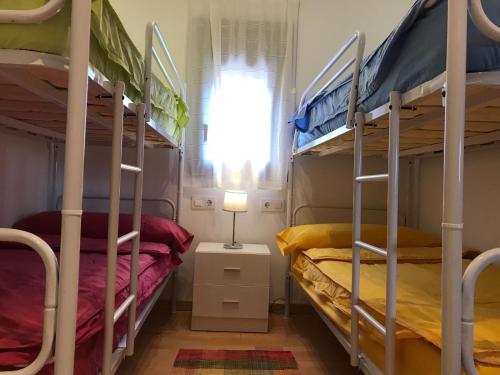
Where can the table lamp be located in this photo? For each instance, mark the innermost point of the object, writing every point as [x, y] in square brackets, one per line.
[234, 201]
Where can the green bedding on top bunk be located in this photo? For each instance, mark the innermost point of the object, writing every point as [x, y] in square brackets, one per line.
[112, 52]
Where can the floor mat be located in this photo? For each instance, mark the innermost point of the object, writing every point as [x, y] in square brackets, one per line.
[235, 362]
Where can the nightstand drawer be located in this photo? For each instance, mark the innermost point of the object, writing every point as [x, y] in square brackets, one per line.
[231, 301]
[232, 269]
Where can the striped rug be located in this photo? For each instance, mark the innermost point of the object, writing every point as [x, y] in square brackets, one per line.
[234, 362]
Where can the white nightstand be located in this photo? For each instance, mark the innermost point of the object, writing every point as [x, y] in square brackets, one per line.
[231, 288]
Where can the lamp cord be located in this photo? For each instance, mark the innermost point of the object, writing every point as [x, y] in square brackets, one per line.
[234, 226]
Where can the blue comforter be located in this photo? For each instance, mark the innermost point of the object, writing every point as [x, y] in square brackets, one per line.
[412, 54]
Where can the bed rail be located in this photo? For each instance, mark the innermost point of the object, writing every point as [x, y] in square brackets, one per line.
[169, 202]
[482, 21]
[358, 37]
[40, 14]
[469, 282]
[374, 213]
[50, 303]
[152, 31]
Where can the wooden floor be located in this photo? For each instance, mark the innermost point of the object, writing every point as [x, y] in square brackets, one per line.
[314, 347]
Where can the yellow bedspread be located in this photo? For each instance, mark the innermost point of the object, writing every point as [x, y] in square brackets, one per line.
[419, 295]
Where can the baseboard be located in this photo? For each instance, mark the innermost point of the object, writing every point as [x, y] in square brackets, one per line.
[295, 308]
[184, 306]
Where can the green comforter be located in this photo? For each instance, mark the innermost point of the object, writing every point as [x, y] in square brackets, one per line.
[112, 52]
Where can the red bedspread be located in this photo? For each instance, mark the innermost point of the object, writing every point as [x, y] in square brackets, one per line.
[22, 292]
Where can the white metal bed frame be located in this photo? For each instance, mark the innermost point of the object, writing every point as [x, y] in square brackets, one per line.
[62, 290]
[458, 295]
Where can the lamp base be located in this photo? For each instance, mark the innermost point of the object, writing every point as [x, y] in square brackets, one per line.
[233, 246]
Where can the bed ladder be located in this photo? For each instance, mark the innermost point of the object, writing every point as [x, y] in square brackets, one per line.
[111, 359]
[388, 330]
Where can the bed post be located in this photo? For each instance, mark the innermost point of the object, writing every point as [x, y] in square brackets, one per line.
[113, 230]
[452, 225]
[290, 222]
[392, 232]
[414, 193]
[173, 294]
[359, 122]
[53, 172]
[177, 216]
[180, 178]
[138, 189]
[73, 187]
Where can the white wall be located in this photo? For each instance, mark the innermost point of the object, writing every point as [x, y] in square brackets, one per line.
[170, 15]
[481, 202]
[24, 172]
[320, 180]
[325, 25]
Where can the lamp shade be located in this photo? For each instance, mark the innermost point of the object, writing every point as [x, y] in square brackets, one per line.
[235, 201]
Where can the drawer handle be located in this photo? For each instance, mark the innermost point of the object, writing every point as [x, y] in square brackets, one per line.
[232, 269]
[231, 301]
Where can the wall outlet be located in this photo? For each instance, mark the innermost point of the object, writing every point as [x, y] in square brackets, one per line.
[202, 203]
[272, 205]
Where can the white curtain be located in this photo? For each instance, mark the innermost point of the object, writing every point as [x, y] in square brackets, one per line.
[240, 92]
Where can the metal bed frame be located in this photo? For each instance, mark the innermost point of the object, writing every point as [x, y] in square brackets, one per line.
[62, 280]
[454, 92]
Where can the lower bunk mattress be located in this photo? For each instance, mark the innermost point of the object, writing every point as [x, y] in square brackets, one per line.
[328, 283]
[21, 306]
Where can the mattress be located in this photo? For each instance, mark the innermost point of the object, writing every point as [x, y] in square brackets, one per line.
[21, 313]
[414, 53]
[328, 284]
[112, 52]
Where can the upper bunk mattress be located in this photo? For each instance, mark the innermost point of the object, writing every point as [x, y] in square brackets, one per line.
[414, 53]
[112, 52]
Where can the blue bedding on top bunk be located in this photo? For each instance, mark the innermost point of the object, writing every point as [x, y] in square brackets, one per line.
[414, 53]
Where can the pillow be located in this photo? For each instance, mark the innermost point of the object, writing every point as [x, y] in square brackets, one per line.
[95, 225]
[339, 235]
[405, 255]
[95, 245]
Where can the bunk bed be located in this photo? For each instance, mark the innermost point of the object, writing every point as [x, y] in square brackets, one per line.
[432, 86]
[22, 282]
[69, 72]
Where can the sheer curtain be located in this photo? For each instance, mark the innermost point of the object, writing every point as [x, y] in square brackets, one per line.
[240, 92]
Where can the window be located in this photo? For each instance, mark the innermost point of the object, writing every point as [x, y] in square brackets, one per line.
[240, 114]
[239, 77]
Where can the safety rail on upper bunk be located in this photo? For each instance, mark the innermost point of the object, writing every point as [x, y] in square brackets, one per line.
[50, 302]
[359, 37]
[152, 31]
[40, 14]
[421, 111]
[42, 75]
[469, 282]
[482, 21]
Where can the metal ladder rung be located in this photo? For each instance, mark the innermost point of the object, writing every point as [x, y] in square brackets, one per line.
[123, 307]
[370, 319]
[374, 249]
[131, 168]
[373, 178]
[127, 237]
